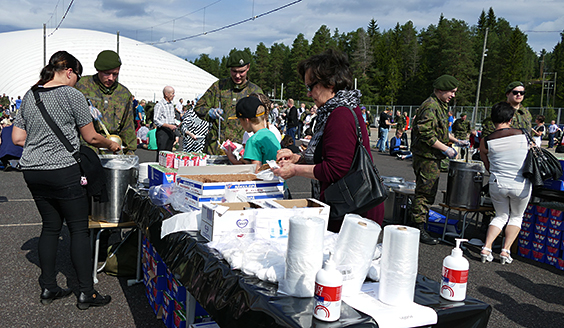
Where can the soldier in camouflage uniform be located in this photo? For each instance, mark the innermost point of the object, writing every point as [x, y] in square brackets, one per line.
[111, 98]
[461, 127]
[429, 140]
[522, 119]
[400, 121]
[220, 99]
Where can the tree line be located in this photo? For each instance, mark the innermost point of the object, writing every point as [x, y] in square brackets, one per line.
[398, 66]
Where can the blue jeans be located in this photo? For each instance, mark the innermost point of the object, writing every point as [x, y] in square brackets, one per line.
[383, 140]
[292, 132]
[551, 140]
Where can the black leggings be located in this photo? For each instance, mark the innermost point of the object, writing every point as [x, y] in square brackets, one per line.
[59, 197]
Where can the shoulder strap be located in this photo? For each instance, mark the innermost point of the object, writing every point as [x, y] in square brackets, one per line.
[358, 130]
[55, 127]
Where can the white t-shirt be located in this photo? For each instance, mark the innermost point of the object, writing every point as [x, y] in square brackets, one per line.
[271, 127]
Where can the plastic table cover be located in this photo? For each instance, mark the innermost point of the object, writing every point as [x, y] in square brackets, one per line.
[235, 299]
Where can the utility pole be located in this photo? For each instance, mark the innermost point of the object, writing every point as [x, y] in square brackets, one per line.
[44, 45]
[480, 78]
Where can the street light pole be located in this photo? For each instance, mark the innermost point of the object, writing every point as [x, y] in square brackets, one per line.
[480, 78]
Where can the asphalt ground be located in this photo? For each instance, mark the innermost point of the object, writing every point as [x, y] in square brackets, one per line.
[522, 294]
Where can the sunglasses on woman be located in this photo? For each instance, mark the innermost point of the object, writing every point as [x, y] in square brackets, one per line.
[515, 92]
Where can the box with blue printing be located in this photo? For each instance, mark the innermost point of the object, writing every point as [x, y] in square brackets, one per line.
[527, 226]
[556, 214]
[529, 217]
[555, 224]
[541, 211]
[525, 252]
[538, 256]
[531, 209]
[527, 235]
[552, 260]
[554, 233]
[540, 229]
[539, 238]
[527, 244]
[543, 220]
[552, 242]
[539, 247]
[553, 251]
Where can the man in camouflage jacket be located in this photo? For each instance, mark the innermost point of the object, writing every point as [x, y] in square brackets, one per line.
[522, 118]
[218, 103]
[461, 128]
[111, 98]
[429, 140]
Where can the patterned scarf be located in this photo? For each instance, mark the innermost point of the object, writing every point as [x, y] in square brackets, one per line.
[342, 98]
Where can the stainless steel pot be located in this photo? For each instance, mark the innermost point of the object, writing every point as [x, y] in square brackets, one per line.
[120, 171]
[465, 183]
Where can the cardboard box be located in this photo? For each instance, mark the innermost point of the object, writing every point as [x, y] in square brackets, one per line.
[527, 235]
[538, 256]
[539, 247]
[542, 220]
[552, 260]
[166, 158]
[525, 252]
[540, 229]
[554, 233]
[555, 224]
[160, 175]
[527, 244]
[553, 251]
[527, 226]
[529, 217]
[218, 188]
[559, 263]
[552, 242]
[541, 211]
[556, 214]
[539, 238]
[240, 218]
[531, 209]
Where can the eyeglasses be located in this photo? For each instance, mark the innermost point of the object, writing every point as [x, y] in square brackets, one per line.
[515, 92]
[311, 86]
[77, 75]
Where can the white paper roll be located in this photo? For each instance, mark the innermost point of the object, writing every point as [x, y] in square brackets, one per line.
[354, 251]
[399, 265]
[304, 256]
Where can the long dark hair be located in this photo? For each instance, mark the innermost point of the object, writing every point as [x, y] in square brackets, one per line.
[59, 61]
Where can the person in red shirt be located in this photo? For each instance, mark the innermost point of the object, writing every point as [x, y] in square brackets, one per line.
[330, 152]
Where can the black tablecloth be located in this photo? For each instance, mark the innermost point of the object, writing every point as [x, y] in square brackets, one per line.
[235, 299]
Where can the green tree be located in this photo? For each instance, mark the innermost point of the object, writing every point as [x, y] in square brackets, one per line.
[299, 52]
[321, 41]
[261, 68]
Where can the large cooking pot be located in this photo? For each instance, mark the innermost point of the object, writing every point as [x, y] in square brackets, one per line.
[120, 171]
[464, 183]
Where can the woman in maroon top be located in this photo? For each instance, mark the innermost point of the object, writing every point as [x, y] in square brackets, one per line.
[330, 152]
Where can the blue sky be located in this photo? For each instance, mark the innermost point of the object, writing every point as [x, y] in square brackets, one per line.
[162, 21]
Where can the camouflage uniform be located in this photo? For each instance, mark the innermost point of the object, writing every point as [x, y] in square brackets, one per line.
[522, 119]
[461, 129]
[5, 102]
[430, 124]
[115, 105]
[401, 122]
[223, 94]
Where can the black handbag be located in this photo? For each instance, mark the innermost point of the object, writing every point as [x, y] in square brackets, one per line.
[89, 162]
[361, 188]
[540, 164]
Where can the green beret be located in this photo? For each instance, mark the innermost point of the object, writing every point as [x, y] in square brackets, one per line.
[513, 85]
[107, 60]
[445, 82]
[238, 59]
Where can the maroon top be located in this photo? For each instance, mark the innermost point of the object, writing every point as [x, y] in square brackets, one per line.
[339, 145]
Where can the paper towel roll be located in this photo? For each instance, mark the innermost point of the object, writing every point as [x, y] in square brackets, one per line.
[304, 256]
[354, 251]
[399, 265]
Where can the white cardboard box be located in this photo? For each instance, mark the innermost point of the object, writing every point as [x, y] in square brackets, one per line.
[197, 201]
[242, 218]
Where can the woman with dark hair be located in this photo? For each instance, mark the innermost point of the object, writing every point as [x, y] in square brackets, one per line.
[330, 152]
[53, 176]
[503, 153]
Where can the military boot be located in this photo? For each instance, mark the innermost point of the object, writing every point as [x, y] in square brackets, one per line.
[424, 236]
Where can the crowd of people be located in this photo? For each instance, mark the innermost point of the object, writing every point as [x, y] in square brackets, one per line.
[236, 109]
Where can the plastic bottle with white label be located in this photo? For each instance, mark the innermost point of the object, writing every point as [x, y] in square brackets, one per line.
[455, 275]
[328, 287]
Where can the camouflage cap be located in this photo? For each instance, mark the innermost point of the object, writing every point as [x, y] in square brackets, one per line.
[513, 85]
[106, 60]
[249, 107]
[445, 82]
[238, 59]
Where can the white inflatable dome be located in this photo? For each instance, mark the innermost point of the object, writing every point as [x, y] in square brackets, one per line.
[145, 69]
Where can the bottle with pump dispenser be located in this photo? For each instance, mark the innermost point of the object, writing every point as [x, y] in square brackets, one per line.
[328, 287]
[455, 274]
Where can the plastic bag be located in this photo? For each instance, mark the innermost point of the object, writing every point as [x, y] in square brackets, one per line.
[120, 162]
[160, 195]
